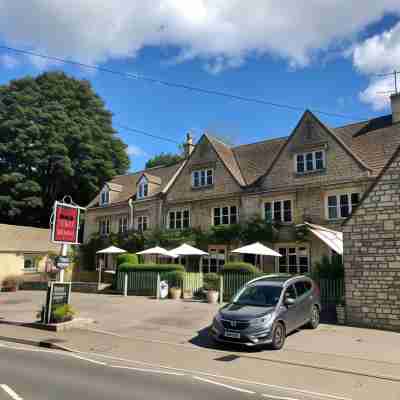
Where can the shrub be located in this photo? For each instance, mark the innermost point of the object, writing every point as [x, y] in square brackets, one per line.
[62, 313]
[327, 269]
[211, 281]
[174, 278]
[239, 267]
[12, 282]
[130, 258]
[126, 267]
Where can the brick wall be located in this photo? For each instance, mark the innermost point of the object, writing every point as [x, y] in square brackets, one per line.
[372, 255]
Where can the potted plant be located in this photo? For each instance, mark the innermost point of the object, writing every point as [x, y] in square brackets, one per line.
[175, 281]
[211, 285]
[11, 283]
[340, 311]
[62, 313]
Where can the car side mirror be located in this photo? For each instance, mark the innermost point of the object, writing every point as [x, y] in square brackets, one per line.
[289, 302]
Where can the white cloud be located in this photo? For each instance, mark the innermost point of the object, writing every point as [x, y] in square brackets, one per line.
[8, 61]
[378, 54]
[223, 33]
[135, 151]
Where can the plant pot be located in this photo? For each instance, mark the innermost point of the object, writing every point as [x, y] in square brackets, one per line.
[212, 296]
[175, 293]
[340, 314]
[188, 294]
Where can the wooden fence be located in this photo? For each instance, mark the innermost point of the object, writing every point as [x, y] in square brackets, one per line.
[331, 290]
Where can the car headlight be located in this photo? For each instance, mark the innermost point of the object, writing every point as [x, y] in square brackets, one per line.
[261, 321]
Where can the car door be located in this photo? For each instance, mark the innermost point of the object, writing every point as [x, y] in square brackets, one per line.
[290, 313]
[304, 301]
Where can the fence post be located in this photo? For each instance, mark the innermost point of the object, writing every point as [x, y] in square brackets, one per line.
[221, 289]
[126, 284]
[158, 287]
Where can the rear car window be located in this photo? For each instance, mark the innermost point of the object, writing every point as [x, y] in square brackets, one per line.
[302, 287]
[290, 292]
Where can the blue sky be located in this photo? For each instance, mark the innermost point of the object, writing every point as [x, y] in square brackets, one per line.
[325, 72]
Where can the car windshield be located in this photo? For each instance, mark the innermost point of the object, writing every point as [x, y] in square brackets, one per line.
[260, 296]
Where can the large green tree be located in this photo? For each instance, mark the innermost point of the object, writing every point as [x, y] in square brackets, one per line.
[56, 139]
[163, 159]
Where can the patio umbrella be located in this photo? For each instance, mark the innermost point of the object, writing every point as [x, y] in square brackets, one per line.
[186, 250]
[258, 249]
[109, 250]
[157, 251]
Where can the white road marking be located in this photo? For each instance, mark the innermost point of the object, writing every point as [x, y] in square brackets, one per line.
[148, 370]
[269, 396]
[11, 392]
[88, 359]
[224, 385]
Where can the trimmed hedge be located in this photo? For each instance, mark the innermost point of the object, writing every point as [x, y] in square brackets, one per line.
[239, 267]
[127, 267]
[130, 258]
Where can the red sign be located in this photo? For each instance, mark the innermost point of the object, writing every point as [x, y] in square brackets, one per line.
[66, 222]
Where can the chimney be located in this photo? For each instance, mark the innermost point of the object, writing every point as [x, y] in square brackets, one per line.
[188, 146]
[395, 103]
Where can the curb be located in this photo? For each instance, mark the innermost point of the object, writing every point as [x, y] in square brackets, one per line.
[48, 344]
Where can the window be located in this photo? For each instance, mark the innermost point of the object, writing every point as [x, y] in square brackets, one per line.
[341, 205]
[104, 226]
[142, 223]
[143, 189]
[104, 197]
[179, 219]
[312, 161]
[30, 263]
[123, 224]
[214, 261]
[302, 287]
[225, 215]
[290, 293]
[294, 260]
[279, 211]
[202, 177]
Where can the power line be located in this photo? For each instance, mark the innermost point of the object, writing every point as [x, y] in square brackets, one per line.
[146, 133]
[175, 84]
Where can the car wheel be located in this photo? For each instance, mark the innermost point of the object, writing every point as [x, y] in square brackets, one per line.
[314, 318]
[278, 336]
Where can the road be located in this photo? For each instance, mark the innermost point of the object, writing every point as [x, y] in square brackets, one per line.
[34, 374]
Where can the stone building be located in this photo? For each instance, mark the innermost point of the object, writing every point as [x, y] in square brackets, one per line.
[372, 252]
[317, 174]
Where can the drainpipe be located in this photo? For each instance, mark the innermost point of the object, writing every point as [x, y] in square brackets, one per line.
[130, 204]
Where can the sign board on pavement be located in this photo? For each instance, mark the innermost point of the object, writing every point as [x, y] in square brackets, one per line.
[58, 294]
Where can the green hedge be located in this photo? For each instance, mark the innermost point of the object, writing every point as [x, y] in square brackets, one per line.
[239, 267]
[126, 267]
[130, 258]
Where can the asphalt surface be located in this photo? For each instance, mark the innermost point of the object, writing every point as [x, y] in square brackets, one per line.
[27, 374]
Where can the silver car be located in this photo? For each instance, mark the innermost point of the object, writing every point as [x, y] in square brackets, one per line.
[267, 309]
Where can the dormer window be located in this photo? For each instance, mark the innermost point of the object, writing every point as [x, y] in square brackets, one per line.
[105, 196]
[309, 162]
[143, 189]
[202, 177]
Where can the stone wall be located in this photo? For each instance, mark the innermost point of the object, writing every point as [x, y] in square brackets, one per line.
[372, 255]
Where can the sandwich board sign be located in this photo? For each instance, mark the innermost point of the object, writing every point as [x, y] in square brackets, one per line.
[58, 294]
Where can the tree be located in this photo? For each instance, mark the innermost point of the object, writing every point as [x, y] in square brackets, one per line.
[164, 159]
[56, 139]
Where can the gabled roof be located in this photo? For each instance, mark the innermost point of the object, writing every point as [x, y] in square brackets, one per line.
[152, 178]
[26, 239]
[114, 187]
[162, 174]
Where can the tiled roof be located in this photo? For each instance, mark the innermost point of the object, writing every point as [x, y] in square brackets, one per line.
[25, 239]
[152, 178]
[128, 182]
[373, 141]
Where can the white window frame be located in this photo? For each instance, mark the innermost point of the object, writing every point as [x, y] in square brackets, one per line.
[338, 207]
[105, 192]
[297, 253]
[221, 215]
[282, 201]
[175, 210]
[141, 222]
[218, 256]
[199, 172]
[123, 222]
[33, 259]
[106, 223]
[314, 160]
[142, 189]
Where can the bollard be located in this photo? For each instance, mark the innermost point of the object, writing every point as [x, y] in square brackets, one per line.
[126, 284]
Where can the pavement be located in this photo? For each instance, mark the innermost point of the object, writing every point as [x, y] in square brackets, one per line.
[340, 361]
